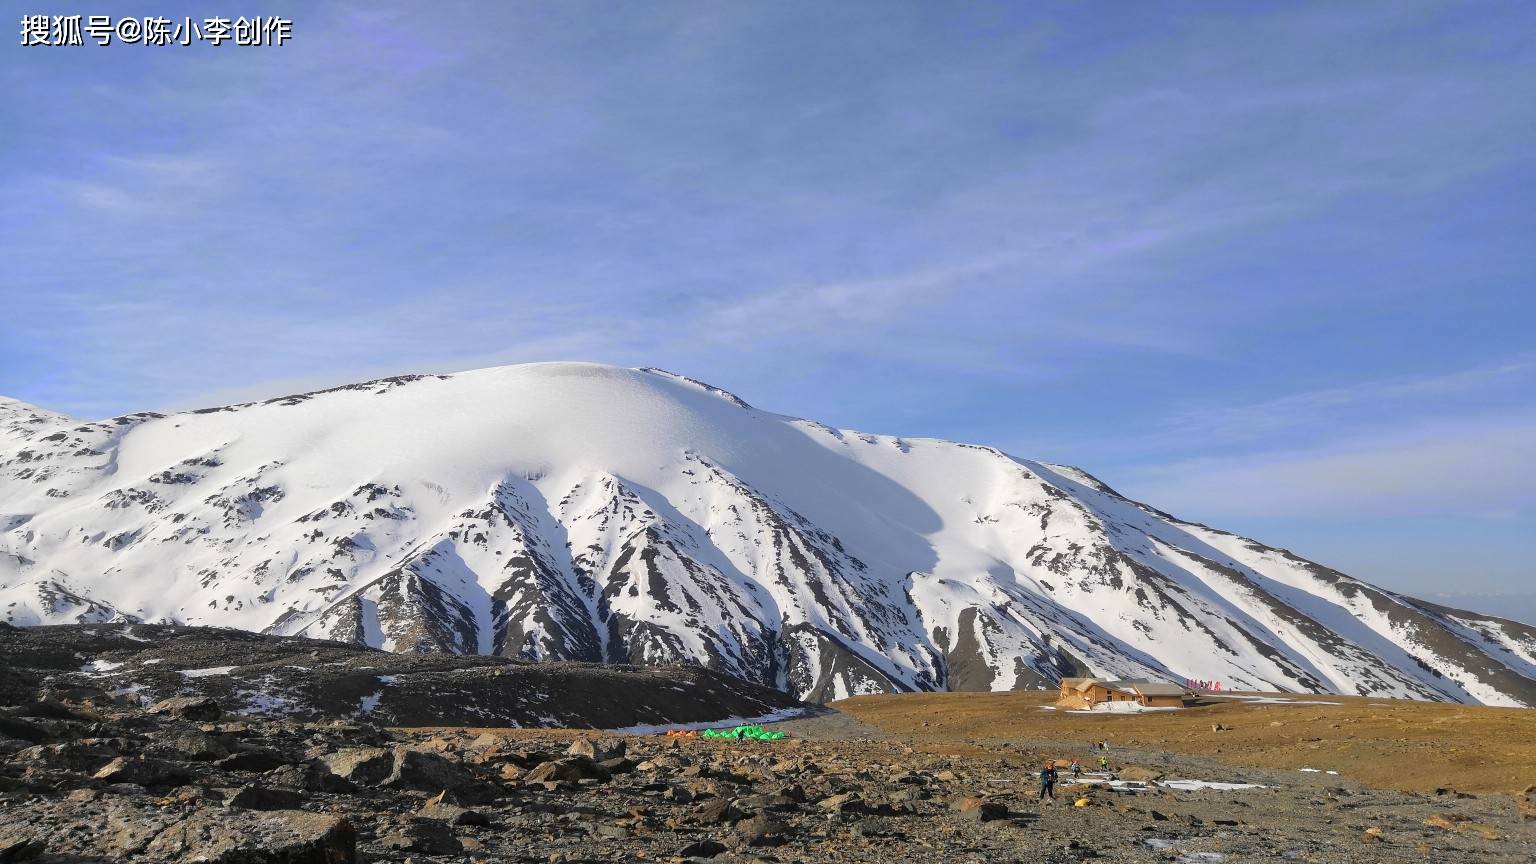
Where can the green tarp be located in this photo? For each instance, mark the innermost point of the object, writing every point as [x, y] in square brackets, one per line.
[756, 733]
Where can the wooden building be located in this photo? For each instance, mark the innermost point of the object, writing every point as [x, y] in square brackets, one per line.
[1085, 693]
[1155, 694]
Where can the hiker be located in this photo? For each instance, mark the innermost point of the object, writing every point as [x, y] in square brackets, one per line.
[1077, 769]
[1048, 782]
[1104, 764]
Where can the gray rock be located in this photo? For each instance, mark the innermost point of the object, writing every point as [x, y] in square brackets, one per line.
[248, 837]
[68, 755]
[608, 831]
[424, 771]
[570, 769]
[143, 772]
[452, 814]
[760, 830]
[846, 802]
[598, 750]
[191, 744]
[718, 811]
[256, 759]
[253, 797]
[427, 836]
[311, 777]
[702, 849]
[12, 727]
[196, 708]
[367, 766]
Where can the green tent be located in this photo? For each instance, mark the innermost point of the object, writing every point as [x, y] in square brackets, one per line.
[754, 732]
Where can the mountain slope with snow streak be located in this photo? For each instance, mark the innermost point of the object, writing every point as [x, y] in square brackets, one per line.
[587, 512]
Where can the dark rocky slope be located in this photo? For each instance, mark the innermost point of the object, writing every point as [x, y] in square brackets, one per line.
[312, 679]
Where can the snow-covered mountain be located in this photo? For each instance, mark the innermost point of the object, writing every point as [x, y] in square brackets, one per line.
[588, 512]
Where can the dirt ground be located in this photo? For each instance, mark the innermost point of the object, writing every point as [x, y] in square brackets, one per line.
[1386, 744]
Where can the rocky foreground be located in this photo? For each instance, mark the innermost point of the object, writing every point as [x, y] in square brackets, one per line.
[182, 781]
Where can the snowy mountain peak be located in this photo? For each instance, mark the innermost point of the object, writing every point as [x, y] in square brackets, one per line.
[582, 511]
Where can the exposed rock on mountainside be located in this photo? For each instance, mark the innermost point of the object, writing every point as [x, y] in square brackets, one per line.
[312, 679]
[585, 512]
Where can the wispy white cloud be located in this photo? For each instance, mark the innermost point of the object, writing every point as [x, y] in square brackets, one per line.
[1339, 406]
[1483, 465]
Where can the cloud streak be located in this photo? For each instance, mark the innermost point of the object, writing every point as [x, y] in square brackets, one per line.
[1483, 466]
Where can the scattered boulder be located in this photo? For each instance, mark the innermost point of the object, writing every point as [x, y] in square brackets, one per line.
[367, 766]
[570, 769]
[1139, 775]
[424, 771]
[445, 811]
[278, 837]
[142, 772]
[22, 730]
[717, 811]
[195, 708]
[427, 836]
[846, 802]
[192, 744]
[702, 849]
[598, 750]
[1445, 821]
[311, 777]
[253, 797]
[254, 759]
[759, 830]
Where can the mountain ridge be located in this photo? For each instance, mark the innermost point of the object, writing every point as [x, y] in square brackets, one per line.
[588, 512]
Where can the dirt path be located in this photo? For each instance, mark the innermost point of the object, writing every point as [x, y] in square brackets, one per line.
[829, 724]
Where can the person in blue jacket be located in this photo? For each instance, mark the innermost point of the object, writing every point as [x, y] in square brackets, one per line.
[1048, 782]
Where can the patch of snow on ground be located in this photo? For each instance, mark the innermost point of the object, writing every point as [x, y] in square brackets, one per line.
[264, 704]
[1197, 785]
[130, 690]
[1120, 708]
[1098, 779]
[206, 673]
[98, 667]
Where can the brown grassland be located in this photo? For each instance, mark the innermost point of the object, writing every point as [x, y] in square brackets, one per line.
[1393, 744]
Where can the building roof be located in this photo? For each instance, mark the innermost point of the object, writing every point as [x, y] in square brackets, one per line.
[1144, 688]
[1153, 688]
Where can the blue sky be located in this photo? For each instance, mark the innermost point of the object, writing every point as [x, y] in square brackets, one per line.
[1265, 265]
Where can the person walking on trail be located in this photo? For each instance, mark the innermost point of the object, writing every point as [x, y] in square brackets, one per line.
[1104, 764]
[1048, 782]
[1077, 769]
